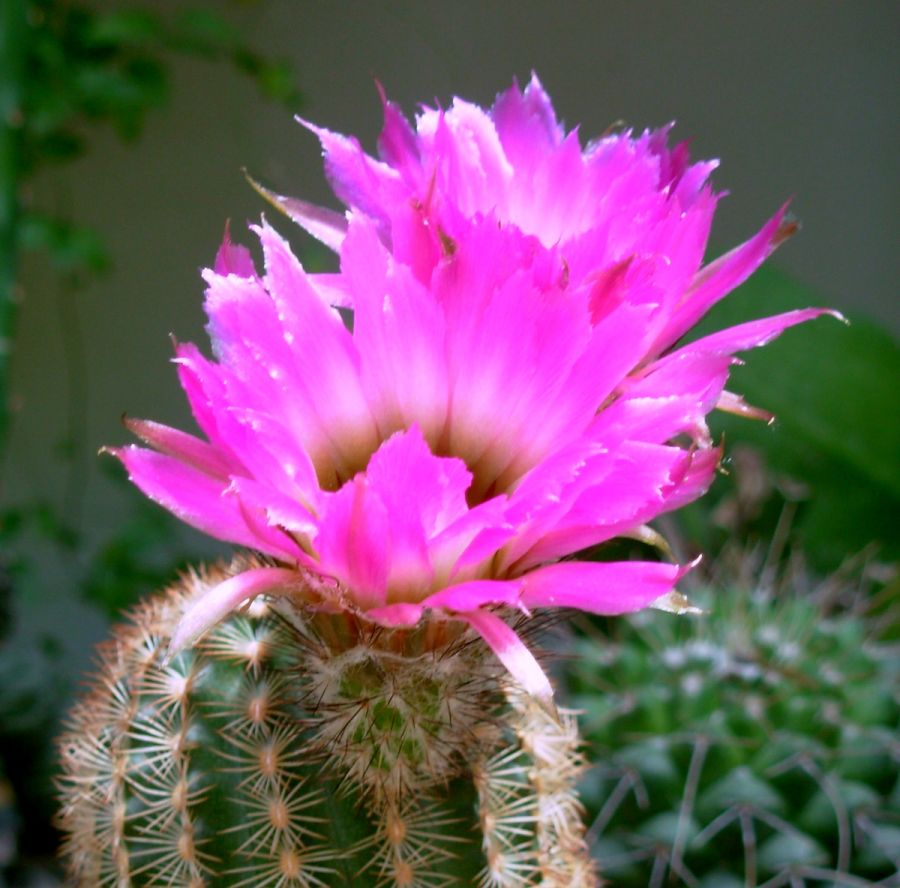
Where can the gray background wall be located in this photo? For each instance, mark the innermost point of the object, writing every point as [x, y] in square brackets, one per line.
[798, 99]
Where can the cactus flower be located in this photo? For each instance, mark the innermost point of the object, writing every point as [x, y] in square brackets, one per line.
[509, 394]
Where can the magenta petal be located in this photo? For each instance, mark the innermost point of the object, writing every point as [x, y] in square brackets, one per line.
[183, 447]
[354, 542]
[719, 278]
[233, 258]
[358, 180]
[416, 485]
[526, 123]
[474, 594]
[751, 334]
[511, 652]
[195, 498]
[280, 511]
[600, 588]
[674, 396]
[326, 226]
[397, 143]
[219, 601]
[402, 613]
[399, 330]
[202, 383]
[324, 361]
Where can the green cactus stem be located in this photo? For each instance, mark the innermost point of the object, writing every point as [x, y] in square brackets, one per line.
[757, 745]
[299, 749]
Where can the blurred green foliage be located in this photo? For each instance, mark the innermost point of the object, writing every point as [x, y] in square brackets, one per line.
[68, 69]
[754, 743]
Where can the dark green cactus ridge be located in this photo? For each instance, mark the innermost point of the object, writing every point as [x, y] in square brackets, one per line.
[755, 745]
[297, 749]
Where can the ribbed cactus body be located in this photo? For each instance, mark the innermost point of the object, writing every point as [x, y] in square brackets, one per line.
[291, 748]
[755, 745]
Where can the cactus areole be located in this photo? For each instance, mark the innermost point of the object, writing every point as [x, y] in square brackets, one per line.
[415, 484]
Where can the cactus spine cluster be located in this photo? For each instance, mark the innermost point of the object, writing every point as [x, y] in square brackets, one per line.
[300, 750]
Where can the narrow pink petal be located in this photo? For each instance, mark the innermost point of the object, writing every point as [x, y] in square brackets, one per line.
[699, 473]
[600, 588]
[354, 542]
[455, 599]
[403, 613]
[202, 383]
[397, 142]
[469, 163]
[751, 334]
[475, 594]
[638, 487]
[511, 652]
[513, 341]
[273, 453]
[184, 447]
[219, 601]
[400, 331]
[358, 180]
[326, 226]
[674, 396]
[526, 123]
[719, 278]
[279, 509]
[463, 550]
[233, 258]
[417, 486]
[195, 498]
[325, 361]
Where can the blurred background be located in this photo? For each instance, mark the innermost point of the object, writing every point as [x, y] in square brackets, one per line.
[126, 127]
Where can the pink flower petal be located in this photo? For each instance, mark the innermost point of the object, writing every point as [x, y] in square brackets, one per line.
[397, 143]
[196, 498]
[324, 358]
[720, 277]
[511, 652]
[752, 334]
[326, 226]
[526, 123]
[358, 180]
[186, 448]
[219, 601]
[475, 594]
[399, 330]
[402, 613]
[202, 383]
[354, 542]
[600, 588]
[233, 258]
